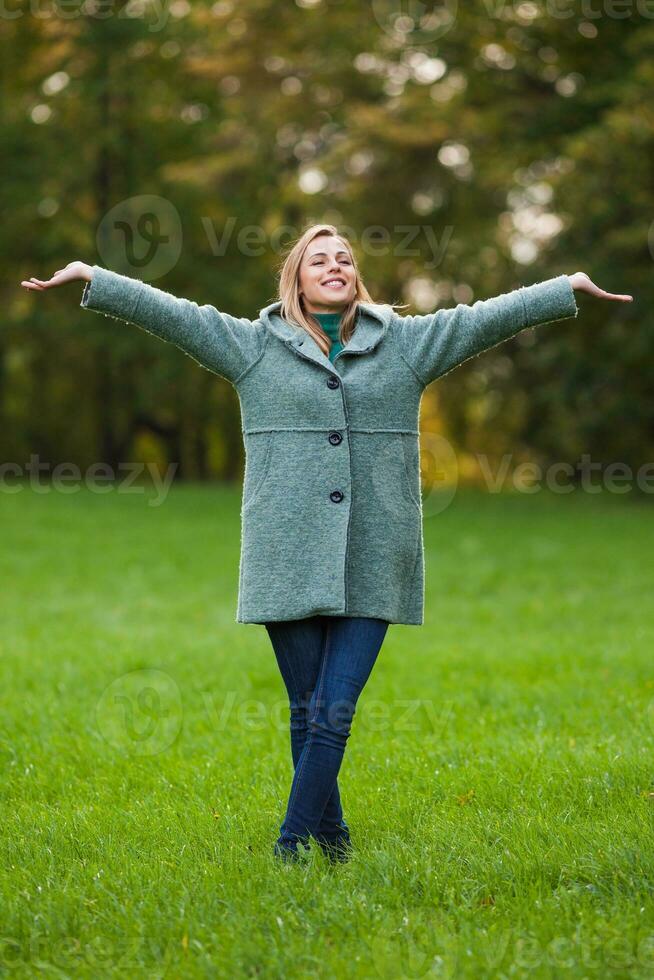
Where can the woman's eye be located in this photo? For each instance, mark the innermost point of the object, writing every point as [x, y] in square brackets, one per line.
[321, 262]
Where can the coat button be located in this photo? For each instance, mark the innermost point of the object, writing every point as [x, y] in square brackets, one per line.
[336, 496]
[335, 438]
[332, 381]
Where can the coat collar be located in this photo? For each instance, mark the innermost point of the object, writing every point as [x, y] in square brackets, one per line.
[372, 324]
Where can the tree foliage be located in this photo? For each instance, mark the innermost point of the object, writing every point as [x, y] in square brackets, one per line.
[465, 157]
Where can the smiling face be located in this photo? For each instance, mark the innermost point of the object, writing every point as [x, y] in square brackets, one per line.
[327, 276]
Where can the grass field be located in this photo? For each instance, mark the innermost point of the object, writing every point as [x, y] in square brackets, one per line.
[498, 782]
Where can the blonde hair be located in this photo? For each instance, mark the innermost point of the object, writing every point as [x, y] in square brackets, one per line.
[292, 309]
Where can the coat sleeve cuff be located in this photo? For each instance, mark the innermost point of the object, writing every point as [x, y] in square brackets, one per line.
[112, 294]
[553, 299]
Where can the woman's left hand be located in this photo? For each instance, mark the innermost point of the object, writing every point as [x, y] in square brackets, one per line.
[582, 282]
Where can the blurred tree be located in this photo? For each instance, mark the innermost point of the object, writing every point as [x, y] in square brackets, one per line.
[465, 158]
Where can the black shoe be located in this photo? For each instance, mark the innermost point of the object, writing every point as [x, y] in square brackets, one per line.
[336, 849]
[290, 853]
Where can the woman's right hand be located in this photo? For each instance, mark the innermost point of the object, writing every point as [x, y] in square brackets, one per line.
[70, 273]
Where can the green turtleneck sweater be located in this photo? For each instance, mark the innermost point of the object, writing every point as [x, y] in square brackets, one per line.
[330, 323]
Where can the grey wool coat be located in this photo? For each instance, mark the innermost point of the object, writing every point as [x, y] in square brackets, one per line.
[331, 512]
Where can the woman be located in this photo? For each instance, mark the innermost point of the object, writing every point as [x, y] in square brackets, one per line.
[329, 384]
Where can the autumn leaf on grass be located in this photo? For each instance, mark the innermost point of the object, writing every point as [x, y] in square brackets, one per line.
[465, 798]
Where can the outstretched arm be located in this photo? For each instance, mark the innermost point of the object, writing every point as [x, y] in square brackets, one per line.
[224, 344]
[435, 343]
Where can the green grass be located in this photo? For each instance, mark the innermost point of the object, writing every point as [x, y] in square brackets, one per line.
[498, 782]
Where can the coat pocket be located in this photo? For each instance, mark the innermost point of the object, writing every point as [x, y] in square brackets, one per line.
[409, 448]
[258, 455]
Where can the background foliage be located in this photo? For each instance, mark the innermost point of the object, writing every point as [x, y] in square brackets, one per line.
[504, 145]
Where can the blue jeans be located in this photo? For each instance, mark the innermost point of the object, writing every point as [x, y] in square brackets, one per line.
[325, 662]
